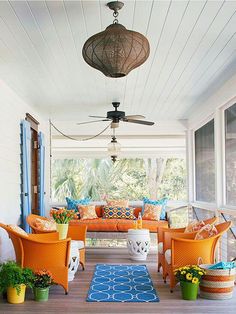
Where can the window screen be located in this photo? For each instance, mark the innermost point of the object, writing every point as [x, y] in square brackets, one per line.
[205, 163]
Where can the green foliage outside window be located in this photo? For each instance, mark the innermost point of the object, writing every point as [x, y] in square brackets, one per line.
[127, 178]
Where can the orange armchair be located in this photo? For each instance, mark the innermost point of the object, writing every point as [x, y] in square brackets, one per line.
[42, 251]
[77, 233]
[182, 249]
[160, 241]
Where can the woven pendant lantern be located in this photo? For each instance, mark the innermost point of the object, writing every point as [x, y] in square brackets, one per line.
[116, 51]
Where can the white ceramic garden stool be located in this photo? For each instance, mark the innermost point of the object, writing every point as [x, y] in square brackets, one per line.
[138, 243]
[74, 259]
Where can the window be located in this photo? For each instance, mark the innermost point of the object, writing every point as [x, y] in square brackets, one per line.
[230, 154]
[205, 163]
[127, 178]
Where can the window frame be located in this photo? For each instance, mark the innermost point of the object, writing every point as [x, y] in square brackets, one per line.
[220, 205]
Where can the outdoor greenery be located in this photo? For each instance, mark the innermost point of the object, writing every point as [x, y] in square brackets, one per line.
[127, 178]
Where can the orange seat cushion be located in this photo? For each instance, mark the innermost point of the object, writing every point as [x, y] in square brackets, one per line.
[97, 224]
[151, 225]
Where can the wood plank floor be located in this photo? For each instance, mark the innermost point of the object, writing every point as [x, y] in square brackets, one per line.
[75, 302]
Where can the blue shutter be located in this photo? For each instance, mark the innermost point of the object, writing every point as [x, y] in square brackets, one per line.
[41, 173]
[26, 172]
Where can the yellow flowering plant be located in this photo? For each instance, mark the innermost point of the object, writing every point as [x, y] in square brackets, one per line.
[189, 273]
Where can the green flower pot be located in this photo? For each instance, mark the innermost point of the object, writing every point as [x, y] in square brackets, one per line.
[189, 290]
[41, 294]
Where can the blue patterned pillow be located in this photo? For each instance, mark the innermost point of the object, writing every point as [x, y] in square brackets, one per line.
[162, 202]
[73, 204]
[118, 213]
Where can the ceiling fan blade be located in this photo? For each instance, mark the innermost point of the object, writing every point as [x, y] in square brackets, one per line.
[98, 117]
[139, 121]
[87, 122]
[135, 116]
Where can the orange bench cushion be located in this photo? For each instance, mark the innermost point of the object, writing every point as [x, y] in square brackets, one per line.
[98, 224]
[113, 225]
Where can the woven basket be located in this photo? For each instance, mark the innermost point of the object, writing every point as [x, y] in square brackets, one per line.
[217, 284]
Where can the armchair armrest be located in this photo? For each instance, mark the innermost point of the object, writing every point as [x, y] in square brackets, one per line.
[44, 236]
[160, 234]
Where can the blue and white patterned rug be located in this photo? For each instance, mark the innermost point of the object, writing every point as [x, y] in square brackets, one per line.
[121, 283]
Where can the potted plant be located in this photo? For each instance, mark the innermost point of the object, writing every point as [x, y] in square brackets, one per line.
[41, 283]
[189, 277]
[62, 218]
[13, 280]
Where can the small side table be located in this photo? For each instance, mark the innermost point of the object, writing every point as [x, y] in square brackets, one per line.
[138, 243]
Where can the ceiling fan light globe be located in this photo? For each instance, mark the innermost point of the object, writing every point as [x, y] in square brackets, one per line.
[113, 148]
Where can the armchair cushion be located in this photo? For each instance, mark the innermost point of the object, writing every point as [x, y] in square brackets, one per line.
[18, 230]
[160, 247]
[194, 226]
[206, 232]
[45, 225]
[168, 256]
[78, 244]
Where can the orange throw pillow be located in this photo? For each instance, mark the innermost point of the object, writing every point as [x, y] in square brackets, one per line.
[194, 226]
[206, 232]
[152, 212]
[87, 212]
[45, 225]
[118, 203]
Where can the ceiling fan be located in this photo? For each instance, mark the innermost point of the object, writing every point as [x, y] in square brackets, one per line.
[115, 116]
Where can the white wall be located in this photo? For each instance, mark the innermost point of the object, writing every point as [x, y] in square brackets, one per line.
[12, 111]
[225, 94]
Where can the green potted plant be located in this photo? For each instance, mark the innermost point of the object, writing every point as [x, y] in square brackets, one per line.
[13, 280]
[189, 277]
[62, 218]
[41, 283]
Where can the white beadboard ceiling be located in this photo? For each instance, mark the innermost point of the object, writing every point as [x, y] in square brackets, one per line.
[192, 54]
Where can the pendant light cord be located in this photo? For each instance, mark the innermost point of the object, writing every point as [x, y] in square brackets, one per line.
[79, 140]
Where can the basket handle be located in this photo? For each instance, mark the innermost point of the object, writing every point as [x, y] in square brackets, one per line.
[199, 261]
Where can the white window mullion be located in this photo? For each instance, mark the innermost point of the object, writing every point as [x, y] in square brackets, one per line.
[190, 165]
[219, 153]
